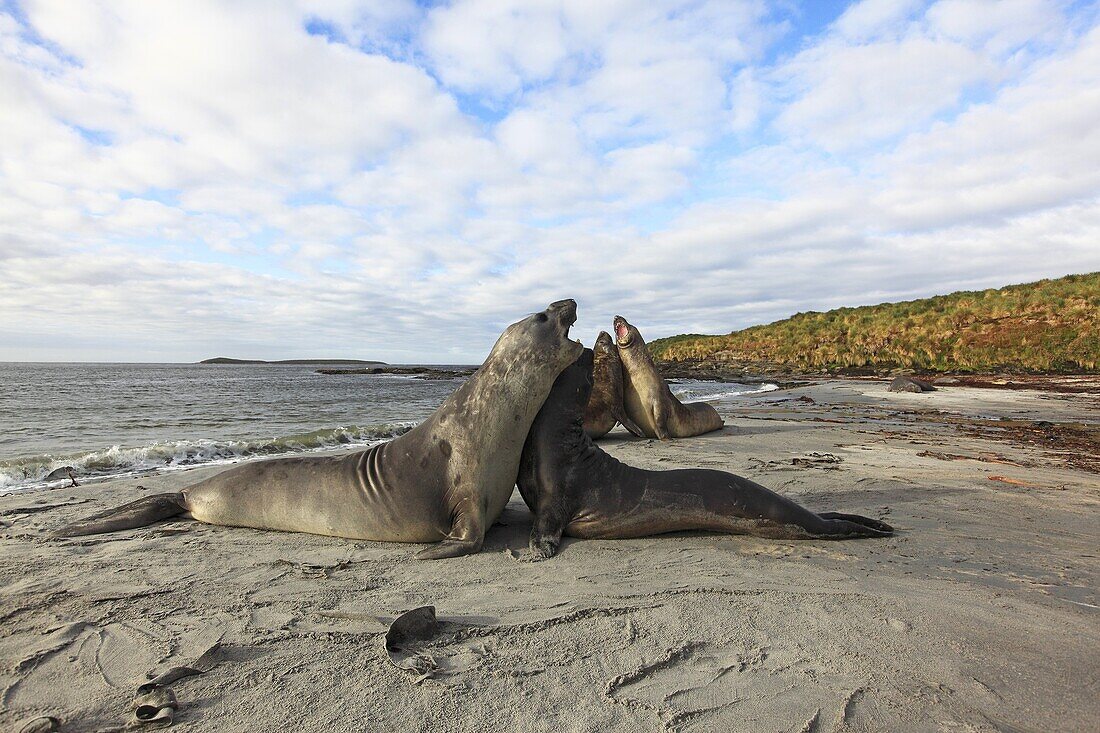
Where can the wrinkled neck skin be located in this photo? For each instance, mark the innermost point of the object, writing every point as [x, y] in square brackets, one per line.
[636, 355]
[490, 415]
[607, 373]
[608, 367]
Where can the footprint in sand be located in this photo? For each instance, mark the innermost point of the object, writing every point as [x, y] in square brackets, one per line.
[746, 688]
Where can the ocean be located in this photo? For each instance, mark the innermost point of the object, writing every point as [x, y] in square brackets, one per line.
[112, 420]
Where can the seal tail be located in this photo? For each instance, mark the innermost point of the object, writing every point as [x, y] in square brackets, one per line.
[138, 513]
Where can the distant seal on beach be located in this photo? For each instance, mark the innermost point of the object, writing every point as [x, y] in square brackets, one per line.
[446, 481]
[648, 400]
[605, 406]
[909, 384]
[574, 488]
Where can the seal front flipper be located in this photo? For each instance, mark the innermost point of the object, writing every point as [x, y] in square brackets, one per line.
[450, 548]
[627, 423]
[546, 536]
[660, 419]
[466, 537]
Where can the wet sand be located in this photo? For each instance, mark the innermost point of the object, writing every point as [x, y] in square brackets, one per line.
[980, 614]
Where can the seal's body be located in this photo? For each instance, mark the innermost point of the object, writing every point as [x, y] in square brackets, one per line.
[574, 488]
[605, 405]
[647, 399]
[445, 481]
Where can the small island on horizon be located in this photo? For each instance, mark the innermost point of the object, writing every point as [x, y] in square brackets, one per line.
[227, 360]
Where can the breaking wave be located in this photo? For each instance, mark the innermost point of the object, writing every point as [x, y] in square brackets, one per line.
[35, 471]
[697, 395]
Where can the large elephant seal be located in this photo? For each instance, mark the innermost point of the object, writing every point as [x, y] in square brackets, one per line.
[605, 406]
[574, 488]
[446, 481]
[910, 384]
[648, 400]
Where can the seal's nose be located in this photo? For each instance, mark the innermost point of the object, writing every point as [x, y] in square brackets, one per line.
[568, 309]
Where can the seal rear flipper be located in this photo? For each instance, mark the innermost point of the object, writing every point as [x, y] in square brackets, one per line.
[838, 528]
[629, 424]
[859, 519]
[138, 513]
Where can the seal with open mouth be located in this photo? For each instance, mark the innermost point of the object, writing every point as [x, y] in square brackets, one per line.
[574, 488]
[647, 399]
[446, 481]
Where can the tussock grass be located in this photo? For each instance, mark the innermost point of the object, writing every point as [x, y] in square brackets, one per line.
[1045, 326]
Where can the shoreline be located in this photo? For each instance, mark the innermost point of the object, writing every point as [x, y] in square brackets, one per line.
[29, 470]
[981, 613]
[1087, 439]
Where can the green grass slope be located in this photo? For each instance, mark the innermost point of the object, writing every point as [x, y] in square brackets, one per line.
[1045, 326]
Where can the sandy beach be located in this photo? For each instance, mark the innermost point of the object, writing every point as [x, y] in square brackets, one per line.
[981, 614]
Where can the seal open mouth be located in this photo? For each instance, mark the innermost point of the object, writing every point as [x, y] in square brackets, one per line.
[566, 311]
[622, 332]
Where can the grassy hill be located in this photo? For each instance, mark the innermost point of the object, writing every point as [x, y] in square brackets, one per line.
[1045, 326]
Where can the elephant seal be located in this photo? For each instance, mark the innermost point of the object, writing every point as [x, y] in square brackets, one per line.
[909, 384]
[605, 406]
[648, 400]
[574, 488]
[445, 481]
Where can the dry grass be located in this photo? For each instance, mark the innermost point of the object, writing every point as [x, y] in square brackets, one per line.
[1045, 326]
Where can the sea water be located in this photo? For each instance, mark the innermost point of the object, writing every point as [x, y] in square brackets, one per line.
[111, 420]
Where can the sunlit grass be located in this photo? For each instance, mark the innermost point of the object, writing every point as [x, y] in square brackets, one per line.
[1046, 326]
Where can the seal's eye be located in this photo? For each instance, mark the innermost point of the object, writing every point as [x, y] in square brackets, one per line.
[542, 318]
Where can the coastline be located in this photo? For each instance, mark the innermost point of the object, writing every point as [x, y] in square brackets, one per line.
[981, 613]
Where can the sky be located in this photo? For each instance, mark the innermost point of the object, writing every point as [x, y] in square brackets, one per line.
[399, 181]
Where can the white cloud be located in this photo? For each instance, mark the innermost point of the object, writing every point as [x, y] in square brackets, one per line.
[873, 18]
[215, 178]
[850, 96]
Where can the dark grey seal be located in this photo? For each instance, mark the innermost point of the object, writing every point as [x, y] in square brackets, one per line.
[605, 406]
[574, 488]
[648, 400]
[909, 384]
[446, 481]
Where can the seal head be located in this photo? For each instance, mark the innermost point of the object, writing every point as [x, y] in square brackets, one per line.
[648, 401]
